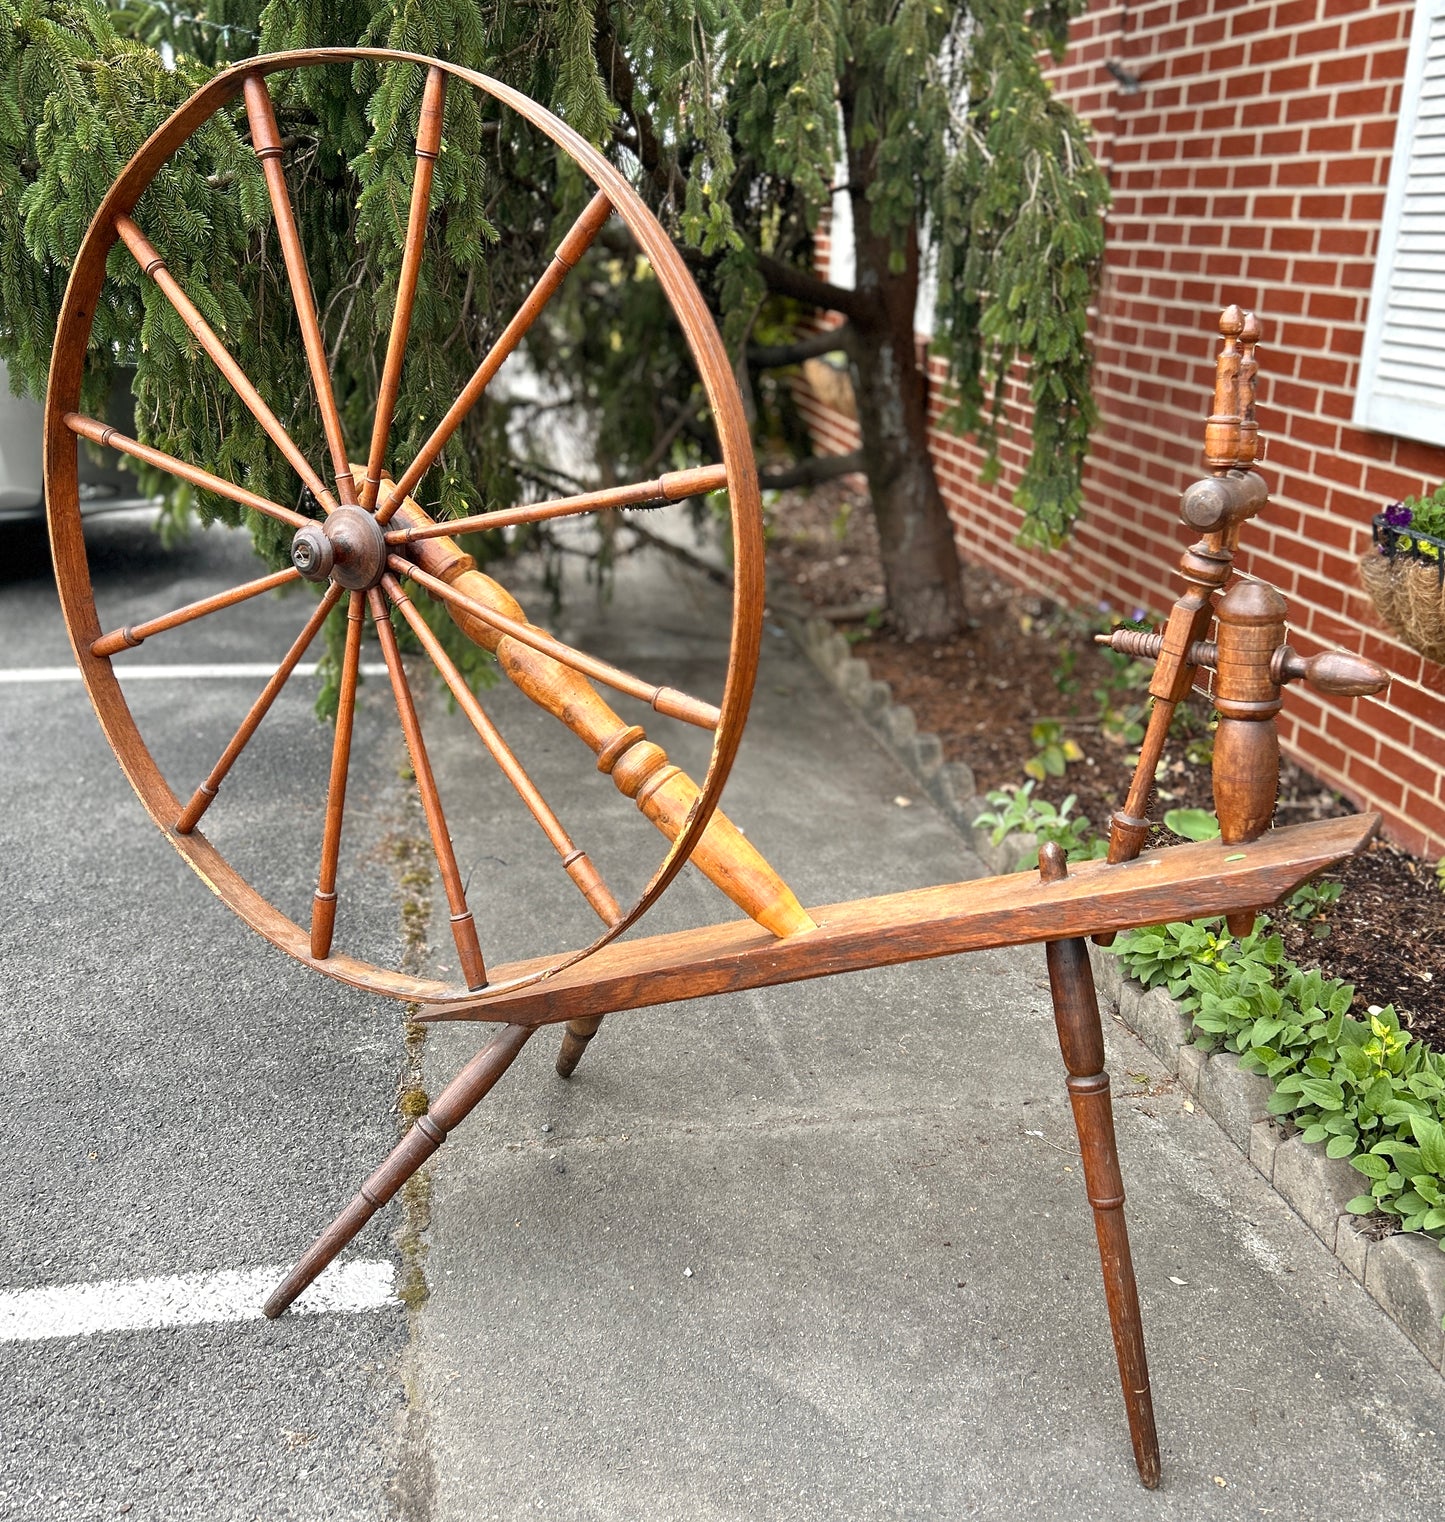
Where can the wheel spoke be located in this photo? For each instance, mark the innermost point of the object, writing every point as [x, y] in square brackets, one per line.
[266, 141]
[428, 145]
[576, 862]
[670, 487]
[569, 251]
[154, 266]
[132, 634]
[103, 433]
[664, 700]
[464, 930]
[323, 904]
[203, 795]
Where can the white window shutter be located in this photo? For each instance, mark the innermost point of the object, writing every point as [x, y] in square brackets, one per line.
[1402, 370]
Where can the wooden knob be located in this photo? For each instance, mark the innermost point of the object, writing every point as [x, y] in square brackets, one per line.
[1334, 671]
[311, 553]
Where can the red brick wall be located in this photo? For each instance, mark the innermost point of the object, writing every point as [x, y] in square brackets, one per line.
[1250, 167]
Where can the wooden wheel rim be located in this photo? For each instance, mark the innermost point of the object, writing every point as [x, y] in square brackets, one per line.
[72, 566]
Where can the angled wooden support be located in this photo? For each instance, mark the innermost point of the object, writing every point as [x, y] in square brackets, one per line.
[1081, 1040]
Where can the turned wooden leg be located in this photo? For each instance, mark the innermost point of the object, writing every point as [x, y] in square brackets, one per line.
[447, 1111]
[1081, 1040]
[574, 1043]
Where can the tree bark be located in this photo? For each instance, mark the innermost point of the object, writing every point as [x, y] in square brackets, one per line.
[920, 559]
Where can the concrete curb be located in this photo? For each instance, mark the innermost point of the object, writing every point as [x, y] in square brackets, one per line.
[1405, 1273]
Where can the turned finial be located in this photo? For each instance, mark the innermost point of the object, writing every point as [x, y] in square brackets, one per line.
[1221, 431]
[1248, 372]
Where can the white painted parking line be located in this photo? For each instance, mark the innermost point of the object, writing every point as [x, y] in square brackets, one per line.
[123, 1305]
[258, 670]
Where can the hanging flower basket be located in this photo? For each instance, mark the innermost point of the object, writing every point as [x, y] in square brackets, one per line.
[1405, 574]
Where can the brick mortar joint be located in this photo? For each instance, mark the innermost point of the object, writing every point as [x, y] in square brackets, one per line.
[828, 651]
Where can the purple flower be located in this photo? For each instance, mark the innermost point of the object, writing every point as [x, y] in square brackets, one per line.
[1397, 515]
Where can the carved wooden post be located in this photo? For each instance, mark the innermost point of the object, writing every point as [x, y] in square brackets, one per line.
[1246, 693]
[1081, 1040]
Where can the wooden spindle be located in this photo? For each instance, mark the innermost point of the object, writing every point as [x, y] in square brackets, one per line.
[428, 146]
[464, 930]
[323, 902]
[266, 140]
[131, 635]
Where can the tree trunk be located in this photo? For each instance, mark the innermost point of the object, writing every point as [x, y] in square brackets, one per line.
[920, 559]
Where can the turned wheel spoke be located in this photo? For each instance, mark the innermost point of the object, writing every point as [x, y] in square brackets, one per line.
[579, 868]
[665, 700]
[428, 145]
[569, 251]
[103, 433]
[323, 906]
[673, 486]
[151, 263]
[266, 140]
[132, 634]
[201, 799]
[464, 930]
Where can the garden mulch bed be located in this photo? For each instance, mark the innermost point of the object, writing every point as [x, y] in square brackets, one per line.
[1022, 660]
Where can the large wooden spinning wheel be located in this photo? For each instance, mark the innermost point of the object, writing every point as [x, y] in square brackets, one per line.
[361, 537]
[365, 538]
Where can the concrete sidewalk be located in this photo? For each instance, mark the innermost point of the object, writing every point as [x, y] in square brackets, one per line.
[823, 1251]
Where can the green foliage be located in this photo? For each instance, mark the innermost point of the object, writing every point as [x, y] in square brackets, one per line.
[1365, 1089]
[1308, 904]
[1054, 751]
[1017, 811]
[1192, 824]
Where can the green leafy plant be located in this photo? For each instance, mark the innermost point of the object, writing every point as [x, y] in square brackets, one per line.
[1055, 751]
[1364, 1089]
[1192, 824]
[1016, 811]
[1308, 904]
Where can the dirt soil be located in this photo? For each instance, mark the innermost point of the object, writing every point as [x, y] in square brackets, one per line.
[1023, 660]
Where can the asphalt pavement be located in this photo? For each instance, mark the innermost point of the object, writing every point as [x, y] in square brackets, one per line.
[817, 1251]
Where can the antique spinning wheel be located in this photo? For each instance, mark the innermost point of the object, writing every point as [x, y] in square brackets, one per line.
[373, 536]
[370, 538]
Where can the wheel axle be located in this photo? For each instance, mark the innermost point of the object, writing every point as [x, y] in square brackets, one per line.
[348, 548]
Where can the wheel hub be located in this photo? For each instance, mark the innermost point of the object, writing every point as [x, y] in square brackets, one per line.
[348, 548]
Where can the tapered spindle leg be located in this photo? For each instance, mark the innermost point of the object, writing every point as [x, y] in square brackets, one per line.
[447, 1111]
[1081, 1040]
[574, 1043]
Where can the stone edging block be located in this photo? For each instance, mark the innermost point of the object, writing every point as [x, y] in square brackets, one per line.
[1405, 1273]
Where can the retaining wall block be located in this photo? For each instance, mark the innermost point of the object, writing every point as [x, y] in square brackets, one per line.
[1318, 1187]
[1235, 1097]
[1129, 995]
[899, 724]
[1161, 1025]
[1352, 1247]
[854, 679]
[1404, 1273]
[874, 699]
[962, 781]
[927, 756]
[1263, 1144]
[1191, 1066]
[1108, 974]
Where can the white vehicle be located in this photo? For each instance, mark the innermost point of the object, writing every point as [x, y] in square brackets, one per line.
[103, 486]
